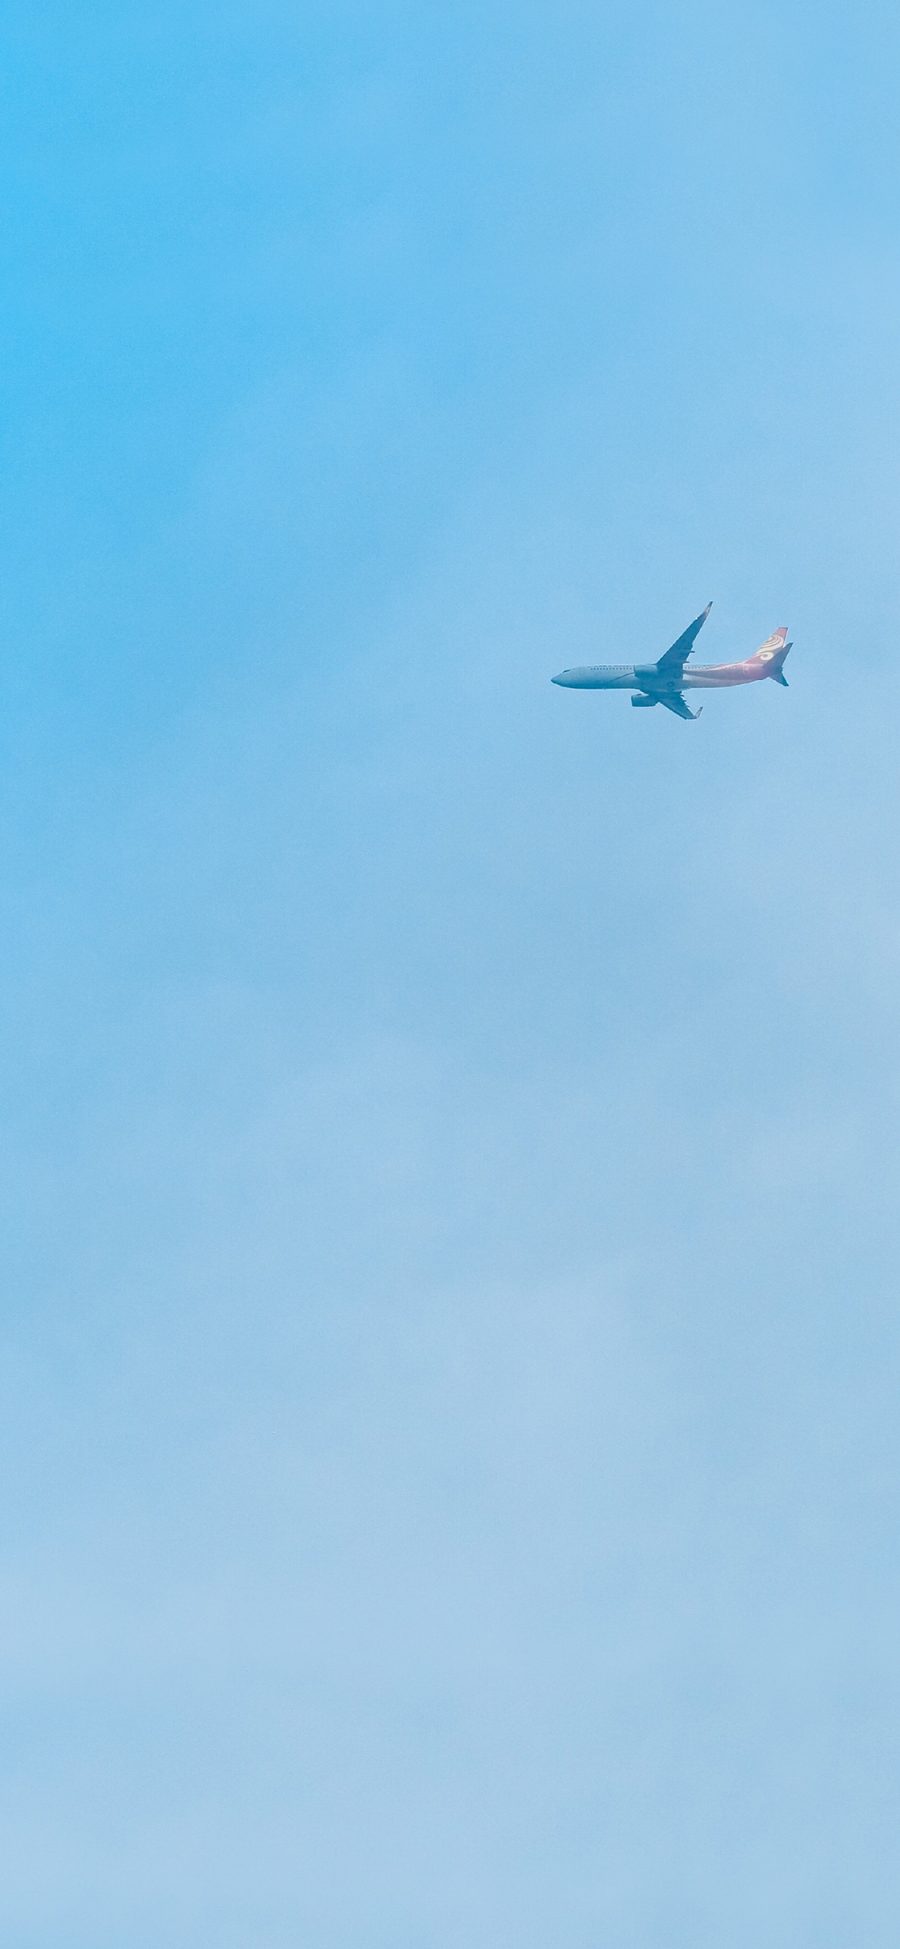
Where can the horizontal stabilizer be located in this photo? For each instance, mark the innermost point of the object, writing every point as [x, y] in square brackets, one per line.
[775, 662]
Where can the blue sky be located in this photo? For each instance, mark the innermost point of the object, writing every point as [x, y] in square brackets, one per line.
[449, 1376]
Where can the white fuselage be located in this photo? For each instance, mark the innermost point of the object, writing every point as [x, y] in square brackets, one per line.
[631, 676]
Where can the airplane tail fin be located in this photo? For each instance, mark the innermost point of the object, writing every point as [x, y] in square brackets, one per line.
[773, 652]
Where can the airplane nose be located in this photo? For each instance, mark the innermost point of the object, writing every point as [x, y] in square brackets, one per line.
[560, 679]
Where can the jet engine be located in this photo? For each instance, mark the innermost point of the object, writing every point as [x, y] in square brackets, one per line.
[642, 703]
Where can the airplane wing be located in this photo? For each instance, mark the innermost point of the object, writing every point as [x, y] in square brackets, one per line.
[674, 660]
[673, 701]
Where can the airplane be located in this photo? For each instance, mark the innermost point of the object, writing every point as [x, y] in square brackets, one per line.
[664, 682]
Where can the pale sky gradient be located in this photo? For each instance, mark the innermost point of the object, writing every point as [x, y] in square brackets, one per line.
[450, 1356]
